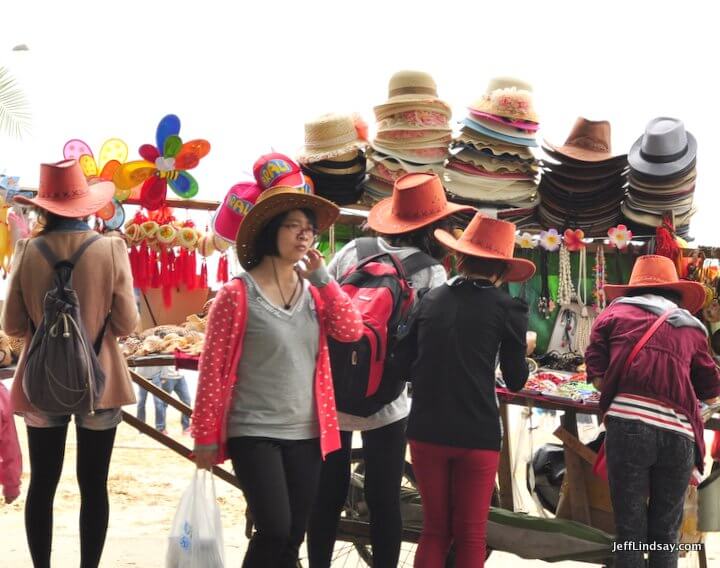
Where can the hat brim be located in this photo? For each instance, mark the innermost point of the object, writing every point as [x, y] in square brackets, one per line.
[692, 294]
[383, 220]
[100, 194]
[582, 154]
[640, 164]
[307, 156]
[566, 159]
[279, 200]
[519, 269]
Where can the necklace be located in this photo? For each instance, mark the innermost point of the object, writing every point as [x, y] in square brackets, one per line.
[286, 304]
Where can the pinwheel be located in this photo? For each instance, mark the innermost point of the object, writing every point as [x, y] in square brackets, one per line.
[113, 153]
[162, 165]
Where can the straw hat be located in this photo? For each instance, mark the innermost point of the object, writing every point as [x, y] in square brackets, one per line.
[418, 200]
[329, 136]
[270, 204]
[508, 97]
[64, 190]
[653, 271]
[491, 239]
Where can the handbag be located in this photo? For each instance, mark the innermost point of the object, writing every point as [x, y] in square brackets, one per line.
[600, 466]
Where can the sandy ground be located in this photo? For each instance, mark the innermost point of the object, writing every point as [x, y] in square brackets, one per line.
[146, 482]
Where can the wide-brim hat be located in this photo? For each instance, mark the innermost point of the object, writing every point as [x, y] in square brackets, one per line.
[654, 271]
[329, 136]
[64, 190]
[270, 204]
[418, 200]
[507, 97]
[411, 86]
[588, 141]
[491, 239]
[665, 148]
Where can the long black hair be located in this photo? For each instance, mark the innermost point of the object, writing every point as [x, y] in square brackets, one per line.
[423, 239]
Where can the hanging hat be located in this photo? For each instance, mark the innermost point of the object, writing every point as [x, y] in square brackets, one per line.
[270, 204]
[236, 205]
[418, 200]
[508, 97]
[329, 136]
[665, 148]
[64, 190]
[589, 141]
[653, 271]
[491, 239]
[276, 169]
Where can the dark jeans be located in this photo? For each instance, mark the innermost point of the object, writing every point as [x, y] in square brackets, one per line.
[649, 471]
[279, 479]
[170, 386]
[384, 455]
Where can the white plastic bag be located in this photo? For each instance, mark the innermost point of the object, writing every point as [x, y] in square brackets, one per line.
[196, 537]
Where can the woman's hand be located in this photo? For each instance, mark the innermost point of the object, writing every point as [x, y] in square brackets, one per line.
[205, 458]
[312, 261]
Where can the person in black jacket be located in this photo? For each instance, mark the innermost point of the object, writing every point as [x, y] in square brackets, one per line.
[454, 427]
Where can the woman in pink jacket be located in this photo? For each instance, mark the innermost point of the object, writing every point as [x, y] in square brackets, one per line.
[10, 456]
[265, 393]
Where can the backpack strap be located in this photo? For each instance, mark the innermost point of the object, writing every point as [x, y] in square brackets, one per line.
[644, 339]
[366, 247]
[52, 258]
[417, 261]
[369, 246]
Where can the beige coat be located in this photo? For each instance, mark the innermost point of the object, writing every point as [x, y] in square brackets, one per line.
[103, 282]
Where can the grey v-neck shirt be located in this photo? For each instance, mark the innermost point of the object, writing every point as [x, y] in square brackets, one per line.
[274, 394]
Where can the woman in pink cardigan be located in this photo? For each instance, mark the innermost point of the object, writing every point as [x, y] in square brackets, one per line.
[265, 393]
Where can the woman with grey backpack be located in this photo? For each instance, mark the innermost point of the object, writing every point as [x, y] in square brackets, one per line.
[70, 296]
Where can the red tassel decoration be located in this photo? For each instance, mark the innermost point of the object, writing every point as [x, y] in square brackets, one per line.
[142, 265]
[203, 275]
[191, 270]
[222, 271]
[154, 270]
[180, 262]
[667, 246]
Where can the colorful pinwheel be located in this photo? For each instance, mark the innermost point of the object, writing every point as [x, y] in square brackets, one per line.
[163, 165]
[113, 154]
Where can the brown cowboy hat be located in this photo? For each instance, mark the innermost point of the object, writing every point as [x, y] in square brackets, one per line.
[491, 239]
[64, 190]
[270, 204]
[653, 271]
[589, 141]
[418, 200]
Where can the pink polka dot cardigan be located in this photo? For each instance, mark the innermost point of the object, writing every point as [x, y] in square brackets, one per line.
[337, 316]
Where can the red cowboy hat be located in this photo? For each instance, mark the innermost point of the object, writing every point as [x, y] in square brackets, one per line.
[492, 239]
[418, 200]
[653, 271]
[63, 190]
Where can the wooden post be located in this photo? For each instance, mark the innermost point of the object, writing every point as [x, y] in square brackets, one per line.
[577, 490]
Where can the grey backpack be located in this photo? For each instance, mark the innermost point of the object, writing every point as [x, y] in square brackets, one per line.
[62, 372]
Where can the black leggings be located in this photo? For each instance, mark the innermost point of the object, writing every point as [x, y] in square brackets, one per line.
[384, 455]
[279, 479]
[47, 452]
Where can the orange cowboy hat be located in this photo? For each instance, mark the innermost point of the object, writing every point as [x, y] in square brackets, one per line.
[491, 239]
[418, 200]
[63, 190]
[653, 271]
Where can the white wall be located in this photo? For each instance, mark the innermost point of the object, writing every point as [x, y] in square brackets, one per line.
[247, 76]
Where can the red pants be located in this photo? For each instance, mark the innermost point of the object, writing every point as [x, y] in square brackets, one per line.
[456, 487]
